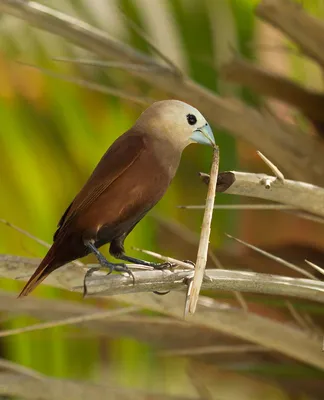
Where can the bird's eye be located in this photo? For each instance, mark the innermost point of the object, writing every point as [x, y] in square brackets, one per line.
[191, 119]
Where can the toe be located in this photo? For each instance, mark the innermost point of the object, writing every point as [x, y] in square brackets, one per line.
[190, 262]
[161, 293]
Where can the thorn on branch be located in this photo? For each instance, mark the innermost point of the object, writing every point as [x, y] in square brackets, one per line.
[266, 182]
[274, 168]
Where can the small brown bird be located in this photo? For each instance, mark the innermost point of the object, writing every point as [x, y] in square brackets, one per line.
[129, 180]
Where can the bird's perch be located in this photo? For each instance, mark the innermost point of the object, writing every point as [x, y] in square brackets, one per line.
[303, 196]
[195, 285]
[71, 277]
[284, 338]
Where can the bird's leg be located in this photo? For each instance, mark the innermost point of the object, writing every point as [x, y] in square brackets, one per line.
[119, 267]
[117, 250]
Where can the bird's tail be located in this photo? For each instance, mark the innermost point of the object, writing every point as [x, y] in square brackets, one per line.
[48, 264]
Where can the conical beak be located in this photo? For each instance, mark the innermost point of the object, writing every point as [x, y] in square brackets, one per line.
[204, 135]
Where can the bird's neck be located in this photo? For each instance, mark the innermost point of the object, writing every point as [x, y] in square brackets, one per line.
[167, 153]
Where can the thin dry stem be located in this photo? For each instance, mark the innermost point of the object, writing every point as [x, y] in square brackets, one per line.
[273, 168]
[70, 321]
[243, 348]
[319, 269]
[205, 234]
[261, 207]
[106, 64]
[20, 369]
[90, 85]
[25, 233]
[33, 237]
[137, 29]
[278, 259]
[297, 317]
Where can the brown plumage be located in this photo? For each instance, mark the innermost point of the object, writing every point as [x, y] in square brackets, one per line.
[129, 180]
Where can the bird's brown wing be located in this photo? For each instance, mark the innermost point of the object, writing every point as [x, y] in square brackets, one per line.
[118, 158]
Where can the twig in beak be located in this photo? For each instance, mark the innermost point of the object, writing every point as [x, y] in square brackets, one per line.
[205, 234]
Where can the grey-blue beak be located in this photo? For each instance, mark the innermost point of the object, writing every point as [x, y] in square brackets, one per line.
[203, 135]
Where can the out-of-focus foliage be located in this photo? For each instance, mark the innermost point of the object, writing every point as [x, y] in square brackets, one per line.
[53, 133]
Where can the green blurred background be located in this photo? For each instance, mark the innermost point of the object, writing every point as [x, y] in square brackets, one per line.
[53, 133]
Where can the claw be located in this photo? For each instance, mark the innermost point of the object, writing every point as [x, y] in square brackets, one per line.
[189, 262]
[161, 293]
[112, 267]
[162, 266]
[86, 276]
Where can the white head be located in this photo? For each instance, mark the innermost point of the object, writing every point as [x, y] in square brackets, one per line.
[177, 122]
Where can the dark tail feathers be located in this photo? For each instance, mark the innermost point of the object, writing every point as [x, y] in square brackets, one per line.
[47, 265]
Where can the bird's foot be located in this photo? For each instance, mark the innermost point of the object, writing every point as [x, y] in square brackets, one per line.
[171, 265]
[168, 265]
[189, 262]
[119, 267]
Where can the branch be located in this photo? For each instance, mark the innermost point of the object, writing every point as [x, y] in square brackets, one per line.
[216, 279]
[91, 85]
[301, 195]
[286, 145]
[71, 277]
[273, 85]
[160, 331]
[195, 285]
[284, 338]
[274, 335]
[289, 17]
[44, 388]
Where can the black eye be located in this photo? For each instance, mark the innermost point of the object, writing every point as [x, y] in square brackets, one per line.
[191, 119]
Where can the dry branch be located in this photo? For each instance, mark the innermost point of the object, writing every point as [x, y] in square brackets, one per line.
[71, 277]
[162, 332]
[91, 85]
[214, 350]
[301, 195]
[220, 317]
[194, 288]
[271, 334]
[27, 387]
[104, 314]
[273, 85]
[290, 17]
[301, 155]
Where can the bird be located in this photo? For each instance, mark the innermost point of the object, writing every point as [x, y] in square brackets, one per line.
[131, 177]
